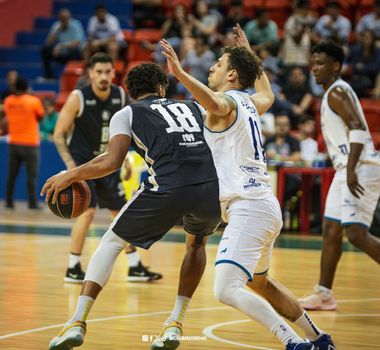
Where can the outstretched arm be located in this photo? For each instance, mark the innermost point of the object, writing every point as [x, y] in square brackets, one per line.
[264, 97]
[217, 104]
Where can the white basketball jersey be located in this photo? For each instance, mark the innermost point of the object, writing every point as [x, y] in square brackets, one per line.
[336, 132]
[239, 155]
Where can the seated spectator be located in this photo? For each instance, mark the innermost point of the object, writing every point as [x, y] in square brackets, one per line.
[11, 82]
[262, 32]
[333, 25]
[197, 63]
[47, 124]
[370, 21]
[309, 146]
[104, 34]
[147, 13]
[236, 14]
[282, 146]
[364, 60]
[64, 42]
[297, 94]
[296, 48]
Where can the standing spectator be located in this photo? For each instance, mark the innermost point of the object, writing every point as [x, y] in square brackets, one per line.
[11, 82]
[104, 34]
[262, 32]
[197, 63]
[370, 21]
[64, 42]
[309, 146]
[297, 94]
[296, 48]
[47, 124]
[23, 111]
[364, 60]
[333, 25]
[236, 14]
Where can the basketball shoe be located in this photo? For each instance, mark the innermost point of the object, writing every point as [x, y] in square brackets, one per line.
[319, 300]
[140, 273]
[75, 274]
[169, 339]
[70, 337]
[300, 346]
[324, 342]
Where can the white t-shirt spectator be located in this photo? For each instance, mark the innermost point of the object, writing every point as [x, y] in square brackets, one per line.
[105, 30]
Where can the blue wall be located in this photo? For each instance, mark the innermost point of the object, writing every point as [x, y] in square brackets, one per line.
[50, 164]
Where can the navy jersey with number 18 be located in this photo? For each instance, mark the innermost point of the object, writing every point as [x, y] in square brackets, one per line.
[168, 134]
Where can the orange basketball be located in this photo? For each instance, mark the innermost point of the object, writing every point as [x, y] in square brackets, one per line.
[72, 201]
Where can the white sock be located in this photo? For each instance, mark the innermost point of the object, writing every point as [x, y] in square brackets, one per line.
[133, 259]
[74, 259]
[229, 288]
[311, 330]
[84, 306]
[327, 292]
[179, 311]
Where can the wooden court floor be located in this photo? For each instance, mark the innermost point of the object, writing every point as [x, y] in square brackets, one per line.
[34, 301]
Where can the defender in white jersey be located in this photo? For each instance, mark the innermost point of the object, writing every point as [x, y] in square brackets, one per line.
[232, 130]
[355, 190]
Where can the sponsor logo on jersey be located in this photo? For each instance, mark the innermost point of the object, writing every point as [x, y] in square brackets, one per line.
[250, 169]
[116, 101]
[106, 115]
[90, 102]
[251, 109]
[189, 141]
[188, 137]
[252, 183]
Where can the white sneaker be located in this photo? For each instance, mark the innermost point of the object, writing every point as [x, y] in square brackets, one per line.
[319, 300]
[70, 337]
[169, 339]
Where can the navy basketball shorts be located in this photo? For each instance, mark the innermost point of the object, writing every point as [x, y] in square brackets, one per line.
[107, 192]
[149, 215]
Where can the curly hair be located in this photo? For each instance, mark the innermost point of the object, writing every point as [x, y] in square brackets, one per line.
[331, 49]
[144, 79]
[248, 66]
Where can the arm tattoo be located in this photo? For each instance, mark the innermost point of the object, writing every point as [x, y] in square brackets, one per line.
[63, 150]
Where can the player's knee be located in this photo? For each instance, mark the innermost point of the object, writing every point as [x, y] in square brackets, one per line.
[332, 232]
[112, 240]
[356, 235]
[88, 215]
[224, 293]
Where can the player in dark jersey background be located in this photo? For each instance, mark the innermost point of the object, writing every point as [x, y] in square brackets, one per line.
[182, 183]
[80, 135]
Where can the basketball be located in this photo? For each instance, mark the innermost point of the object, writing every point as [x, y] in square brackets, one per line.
[72, 201]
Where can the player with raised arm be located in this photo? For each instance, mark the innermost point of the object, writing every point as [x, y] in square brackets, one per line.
[233, 132]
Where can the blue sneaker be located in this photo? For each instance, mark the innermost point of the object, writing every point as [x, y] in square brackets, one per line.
[324, 342]
[300, 346]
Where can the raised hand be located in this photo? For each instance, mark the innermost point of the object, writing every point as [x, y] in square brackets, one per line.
[240, 37]
[174, 66]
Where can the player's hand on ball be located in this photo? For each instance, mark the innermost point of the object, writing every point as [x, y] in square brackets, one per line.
[55, 184]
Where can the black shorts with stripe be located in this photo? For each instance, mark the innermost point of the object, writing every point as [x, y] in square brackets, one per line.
[149, 215]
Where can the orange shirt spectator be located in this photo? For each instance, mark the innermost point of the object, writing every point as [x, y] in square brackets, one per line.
[23, 113]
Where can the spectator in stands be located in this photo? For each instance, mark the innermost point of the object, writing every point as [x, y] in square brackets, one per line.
[236, 14]
[23, 111]
[204, 22]
[147, 13]
[262, 32]
[296, 48]
[64, 42]
[364, 60]
[297, 94]
[104, 34]
[333, 25]
[11, 82]
[309, 146]
[197, 63]
[371, 21]
[282, 146]
[47, 124]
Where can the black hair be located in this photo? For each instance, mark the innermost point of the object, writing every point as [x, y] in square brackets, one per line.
[281, 113]
[100, 7]
[331, 49]
[21, 85]
[144, 79]
[305, 118]
[248, 66]
[100, 57]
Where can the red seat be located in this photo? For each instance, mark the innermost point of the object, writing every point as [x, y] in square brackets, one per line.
[136, 51]
[43, 95]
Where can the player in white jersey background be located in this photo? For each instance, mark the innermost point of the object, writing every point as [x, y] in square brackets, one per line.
[355, 190]
[233, 132]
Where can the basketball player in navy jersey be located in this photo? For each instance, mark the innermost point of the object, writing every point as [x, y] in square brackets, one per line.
[251, 210]
[182, 184]
[80, 135]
